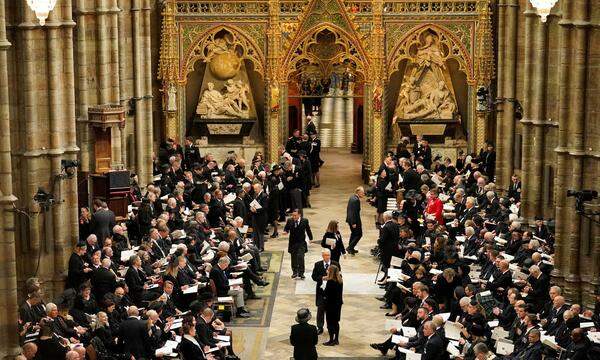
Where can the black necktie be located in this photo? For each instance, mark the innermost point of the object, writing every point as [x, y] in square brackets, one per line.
[326, 266]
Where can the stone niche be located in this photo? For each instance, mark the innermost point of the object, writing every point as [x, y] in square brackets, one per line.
[428, 102]
[225, 109]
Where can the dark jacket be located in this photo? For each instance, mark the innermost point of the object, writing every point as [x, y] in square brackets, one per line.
[353, 211]
[317, 275]
[220, 279]
[339, 249]
[298, 232]
[434, 348]
[133, 336]
[304, 339]
[190, 351]
[103, 281]
[76, 276]
[102, 224]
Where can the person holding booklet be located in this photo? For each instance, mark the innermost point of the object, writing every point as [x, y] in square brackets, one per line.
[334, 288]
[319, 273]
[332, 240]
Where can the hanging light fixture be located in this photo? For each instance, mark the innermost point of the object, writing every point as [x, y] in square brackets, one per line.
[543, 7]
[41, 8]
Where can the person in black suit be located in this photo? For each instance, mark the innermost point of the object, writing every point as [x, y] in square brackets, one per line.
[319, 272]
[104, 281]
[411, 180]
[239, 206]
[502, 281]
[78, 270]
[310, 127]
[136, 281]
[388, 239]
[353, 219]
[337, 249]
[538, 287]
[133, 335]
[103, 220]
[514, 189]
[218, 276]
[434, 348]
[298, 228]
[304, 337]
[333, 303]
[190, 348]
[259, 216]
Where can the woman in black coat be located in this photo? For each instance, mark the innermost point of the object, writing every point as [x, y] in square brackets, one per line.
[333, 304]
[381, 194]
[190, 348]
[338, 248]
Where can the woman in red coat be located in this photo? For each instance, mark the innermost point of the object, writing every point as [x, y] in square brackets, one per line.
[434, 207]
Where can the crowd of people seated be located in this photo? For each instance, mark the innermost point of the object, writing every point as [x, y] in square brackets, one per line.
[166, 280]
[463, 277]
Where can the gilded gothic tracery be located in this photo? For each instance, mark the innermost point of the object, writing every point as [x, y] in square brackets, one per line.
[376, 36]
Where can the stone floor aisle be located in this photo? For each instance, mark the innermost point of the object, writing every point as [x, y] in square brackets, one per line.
[362, 322]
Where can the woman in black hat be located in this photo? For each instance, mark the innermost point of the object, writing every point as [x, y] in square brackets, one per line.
[304, 337]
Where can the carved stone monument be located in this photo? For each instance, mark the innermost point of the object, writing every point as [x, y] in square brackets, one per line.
[426, 100]
[225, 103]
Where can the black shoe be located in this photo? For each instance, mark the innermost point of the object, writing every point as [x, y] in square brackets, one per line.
[262, 283]
[380, 298]
[385, 306]
[274, 235]
[389, 314]
[302, 277]
[319, 331]
[294, 275]
[329, 343]
[243, 314]
[381, 348]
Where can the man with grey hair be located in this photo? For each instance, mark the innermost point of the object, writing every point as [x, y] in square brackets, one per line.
[133, 335]
[319, 271]
[217, 274]
[104, 280]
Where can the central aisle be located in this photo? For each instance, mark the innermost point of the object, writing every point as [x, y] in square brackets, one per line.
[362, 321]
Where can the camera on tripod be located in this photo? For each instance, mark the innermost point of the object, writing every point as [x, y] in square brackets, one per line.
[581, 197]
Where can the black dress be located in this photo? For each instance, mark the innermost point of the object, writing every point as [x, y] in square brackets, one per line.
[381, 194]
[333, 302]
[339, 245]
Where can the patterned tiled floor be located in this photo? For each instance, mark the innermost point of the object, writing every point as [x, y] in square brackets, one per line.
[362, 321]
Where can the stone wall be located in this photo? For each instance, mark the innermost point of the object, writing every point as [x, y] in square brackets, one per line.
[89, 53]
[549, 68]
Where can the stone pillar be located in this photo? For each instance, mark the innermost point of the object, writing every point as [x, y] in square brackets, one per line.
[138, 78]
[148, 123]
[103, 53]
[123, 64]
[538, 115]
[338, 114]
[326, 121]
[8, 269]
[505, 151]
[531, 18]
[82, 87]
[377, 127]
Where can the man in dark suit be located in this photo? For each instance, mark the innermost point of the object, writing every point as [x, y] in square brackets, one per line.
[353, 219]
[133, 335]
[136, 281]
[78, 269]
[538, 287]
[514, 189]
[103, 280]
[388, 239]
[297, 228]
[534, 348]
[259, 216]
[434, 348]
[239, 206]
[310, 127]
[411, 180]
[502, 281]
[218, 276]
[319, 271]
[304, 337]
[103, 220]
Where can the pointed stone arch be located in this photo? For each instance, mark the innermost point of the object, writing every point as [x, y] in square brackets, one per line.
[325, 15]
[453, 47]
[248, 49]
